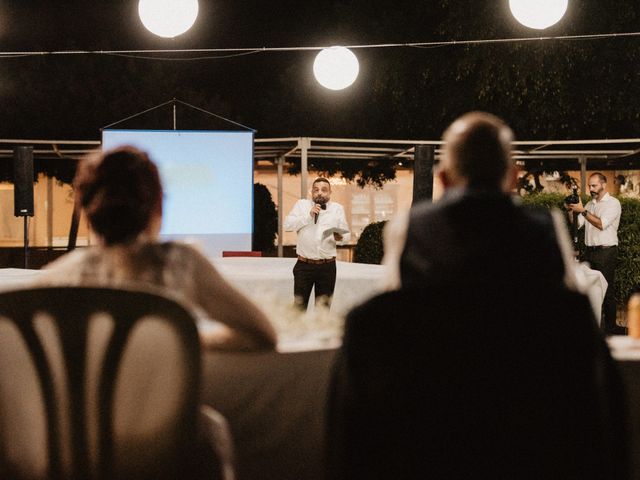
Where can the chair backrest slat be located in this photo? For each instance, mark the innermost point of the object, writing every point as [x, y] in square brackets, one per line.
[45, 379]
[72, 311]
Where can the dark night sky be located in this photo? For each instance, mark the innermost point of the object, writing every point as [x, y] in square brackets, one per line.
[71, 97]
[75, 95]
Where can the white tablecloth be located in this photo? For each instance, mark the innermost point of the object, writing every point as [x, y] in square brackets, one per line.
[261, 277]
[275, 404]
[16, 277]
[624, 348]
[355, 282]
[593, 284]
[626, 351]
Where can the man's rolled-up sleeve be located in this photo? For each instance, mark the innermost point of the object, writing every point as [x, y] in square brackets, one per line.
[297, 218]
[610, 214]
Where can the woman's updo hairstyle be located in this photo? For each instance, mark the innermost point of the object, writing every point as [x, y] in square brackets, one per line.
[120, 191]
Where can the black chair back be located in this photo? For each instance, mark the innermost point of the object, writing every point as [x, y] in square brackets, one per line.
[96, 383]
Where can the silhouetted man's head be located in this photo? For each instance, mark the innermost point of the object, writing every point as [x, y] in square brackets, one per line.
[477, 153]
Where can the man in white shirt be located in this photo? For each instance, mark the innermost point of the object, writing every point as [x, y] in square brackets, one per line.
[319, 223]
[600, 218]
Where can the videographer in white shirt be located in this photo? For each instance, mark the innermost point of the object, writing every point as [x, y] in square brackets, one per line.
[600, 218]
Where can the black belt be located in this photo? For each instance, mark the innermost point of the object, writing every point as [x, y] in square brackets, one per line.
[318, 261]
[599, 247]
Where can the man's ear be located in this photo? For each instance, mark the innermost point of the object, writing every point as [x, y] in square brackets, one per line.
[511, 178]
[444, 178]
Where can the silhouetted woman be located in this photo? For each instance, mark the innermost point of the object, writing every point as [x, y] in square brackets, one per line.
[121, 194]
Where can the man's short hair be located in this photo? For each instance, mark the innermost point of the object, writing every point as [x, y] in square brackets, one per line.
[478, 147]
[321, 179]
[600, 176]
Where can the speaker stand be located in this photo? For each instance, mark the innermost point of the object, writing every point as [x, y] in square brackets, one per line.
[26, 242]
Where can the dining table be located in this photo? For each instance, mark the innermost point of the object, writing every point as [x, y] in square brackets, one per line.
[260, 277]
[275, 403]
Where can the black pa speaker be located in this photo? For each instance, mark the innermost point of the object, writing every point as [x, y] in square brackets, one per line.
[23, 181]
[424, 157]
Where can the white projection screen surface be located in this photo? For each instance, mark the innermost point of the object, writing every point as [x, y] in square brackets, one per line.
[208, 184]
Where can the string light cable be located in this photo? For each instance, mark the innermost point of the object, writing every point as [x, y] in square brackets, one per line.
[222, 53]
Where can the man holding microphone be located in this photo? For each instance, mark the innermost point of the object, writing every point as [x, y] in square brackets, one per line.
[319, 223]
[600, 218]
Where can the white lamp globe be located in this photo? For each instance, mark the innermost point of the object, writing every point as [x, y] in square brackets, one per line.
[336, 68]
[168, 18]
[538, 14]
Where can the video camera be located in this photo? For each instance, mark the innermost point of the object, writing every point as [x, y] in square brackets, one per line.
[573, 197]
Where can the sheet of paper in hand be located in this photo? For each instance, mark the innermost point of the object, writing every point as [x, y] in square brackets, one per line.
[332, 230]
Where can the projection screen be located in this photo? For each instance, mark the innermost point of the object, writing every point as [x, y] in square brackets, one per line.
[208, 183]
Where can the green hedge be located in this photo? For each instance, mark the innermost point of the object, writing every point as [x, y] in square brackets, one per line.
[628, 270]
[265, 220]
[369, 248]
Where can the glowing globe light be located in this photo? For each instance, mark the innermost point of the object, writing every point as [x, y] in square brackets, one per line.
[336, 68]
[168, 18]
[538, 14]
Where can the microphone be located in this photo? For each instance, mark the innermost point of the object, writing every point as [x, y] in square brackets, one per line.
[322, 207]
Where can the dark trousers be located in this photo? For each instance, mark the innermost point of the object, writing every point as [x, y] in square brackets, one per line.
[605, 261]
[306, 275]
